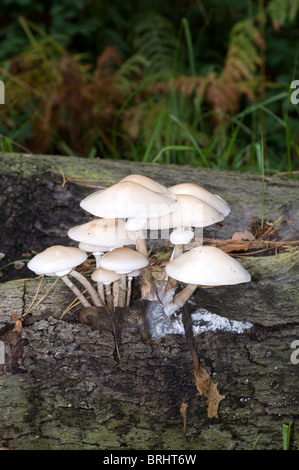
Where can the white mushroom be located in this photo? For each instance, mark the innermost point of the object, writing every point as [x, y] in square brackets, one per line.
[201, 193]
[205, 266]
[105, 277]
[191, 212]
[109, 233]
[96, 250]
[147, 182]
[123, 261]
[135, 224]
[60, 261]
[127, 199]
[130, 200]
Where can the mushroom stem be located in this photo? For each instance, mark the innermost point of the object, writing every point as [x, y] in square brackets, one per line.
[94, 295]
[97, 256]
[76, 291]
[169, 285]
[122, 291]
[129, 291]
[101, 292]
[177, 250]
[109, 297]
[115, 290]
[148, 288]
[180, 299]
[168, 292]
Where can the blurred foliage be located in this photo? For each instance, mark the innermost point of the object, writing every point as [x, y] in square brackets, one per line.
[189, 81]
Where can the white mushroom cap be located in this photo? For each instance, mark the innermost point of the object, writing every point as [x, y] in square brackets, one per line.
[104, 232]
[105, 276]
[181, 236]
[128, 199]
[135, 224]
[123, 260]
[134, 273]
[89, 248]
[207, 266]
[191, 212]
[147, 182]
[198, 191]
[57, 259]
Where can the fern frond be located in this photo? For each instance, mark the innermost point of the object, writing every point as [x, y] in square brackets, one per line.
[129, 72]
[282, 12]
[153, 37]
[238, 76]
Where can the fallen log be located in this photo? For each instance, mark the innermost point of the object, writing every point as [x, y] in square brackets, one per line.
[61, 384]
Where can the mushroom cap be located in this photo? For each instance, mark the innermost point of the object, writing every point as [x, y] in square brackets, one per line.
[105, 276]
[147, 182]
[127, 199]
[57, 259]
[123, 260]
[104, 232]
[181, 237]
[207, 266]
[198, 191]
[191, 212]
[134, 273]
[89, 248]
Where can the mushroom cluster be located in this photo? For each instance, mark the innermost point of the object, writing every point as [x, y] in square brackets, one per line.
[116, 237]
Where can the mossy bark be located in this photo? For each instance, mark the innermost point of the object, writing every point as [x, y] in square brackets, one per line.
[61, 384]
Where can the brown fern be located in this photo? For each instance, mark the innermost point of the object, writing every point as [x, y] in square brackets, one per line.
[239, 75]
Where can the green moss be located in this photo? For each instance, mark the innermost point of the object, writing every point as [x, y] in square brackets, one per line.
[27, 166]
[72, 171]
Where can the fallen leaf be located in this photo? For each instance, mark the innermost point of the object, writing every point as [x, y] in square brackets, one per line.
[208, 388]
[245, 235]
[18, 328]
[203, 380]
[183, 411]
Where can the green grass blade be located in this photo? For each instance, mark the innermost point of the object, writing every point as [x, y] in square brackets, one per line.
[156, 132]
[170, 148]
[189, 46]
[286, 435]
[188, 133]
[260, 160]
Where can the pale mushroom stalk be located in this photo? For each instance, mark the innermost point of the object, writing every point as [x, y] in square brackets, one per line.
[129, 290]
[109, 297]
[97, 256]
[76, 291]
[179, 299]
[168, 289]
[148, 286]
[122, 291]
[179, 238]
[101, 291]
[88, 286]
[115, 293]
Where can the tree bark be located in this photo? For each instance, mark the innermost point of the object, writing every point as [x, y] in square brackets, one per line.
[65, 385]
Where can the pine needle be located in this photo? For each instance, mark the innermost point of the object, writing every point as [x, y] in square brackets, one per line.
[42, 299]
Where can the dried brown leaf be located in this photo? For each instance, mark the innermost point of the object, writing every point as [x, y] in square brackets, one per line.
[209, 389]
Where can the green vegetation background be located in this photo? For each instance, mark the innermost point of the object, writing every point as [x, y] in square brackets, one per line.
[197, 82]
